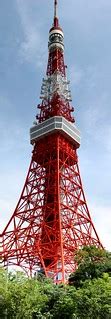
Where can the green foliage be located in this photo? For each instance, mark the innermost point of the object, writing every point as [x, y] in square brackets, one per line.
[39, 298]
[92, 263]
[94, 299]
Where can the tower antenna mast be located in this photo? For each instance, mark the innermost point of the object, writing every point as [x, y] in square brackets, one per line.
[56, 22]
[55, 8]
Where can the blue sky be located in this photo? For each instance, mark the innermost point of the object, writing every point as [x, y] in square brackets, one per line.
[24, 26]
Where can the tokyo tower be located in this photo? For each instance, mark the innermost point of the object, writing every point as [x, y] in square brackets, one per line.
[51, 220]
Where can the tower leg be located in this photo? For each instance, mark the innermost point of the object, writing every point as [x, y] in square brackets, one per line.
[51, 220]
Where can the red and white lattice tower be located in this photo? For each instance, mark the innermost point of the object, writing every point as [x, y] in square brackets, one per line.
[51, 220]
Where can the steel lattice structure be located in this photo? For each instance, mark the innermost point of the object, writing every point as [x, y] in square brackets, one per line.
[51, 220]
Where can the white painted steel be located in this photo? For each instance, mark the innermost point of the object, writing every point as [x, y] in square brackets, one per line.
[53, 125]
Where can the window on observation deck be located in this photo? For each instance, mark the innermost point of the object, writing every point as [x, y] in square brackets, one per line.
[56, 38]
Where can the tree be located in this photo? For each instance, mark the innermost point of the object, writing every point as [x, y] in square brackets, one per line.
[94, 299]
[39, 298]
[3, 289]
[20, 297]
[92, 263]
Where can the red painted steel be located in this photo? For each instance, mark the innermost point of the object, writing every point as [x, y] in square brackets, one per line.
[51, 220]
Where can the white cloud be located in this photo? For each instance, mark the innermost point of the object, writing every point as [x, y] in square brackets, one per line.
[76, 75]
[12, 179]
[13, 148]
[101, 216]
[6, 207]
[12, 185]
[12, 133]
[95, 105]
[32, 48]
[96, 120]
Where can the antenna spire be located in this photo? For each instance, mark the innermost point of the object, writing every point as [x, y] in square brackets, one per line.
[56, 22]
[55, 8]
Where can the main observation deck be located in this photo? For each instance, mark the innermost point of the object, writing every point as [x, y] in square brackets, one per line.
[53, 125]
